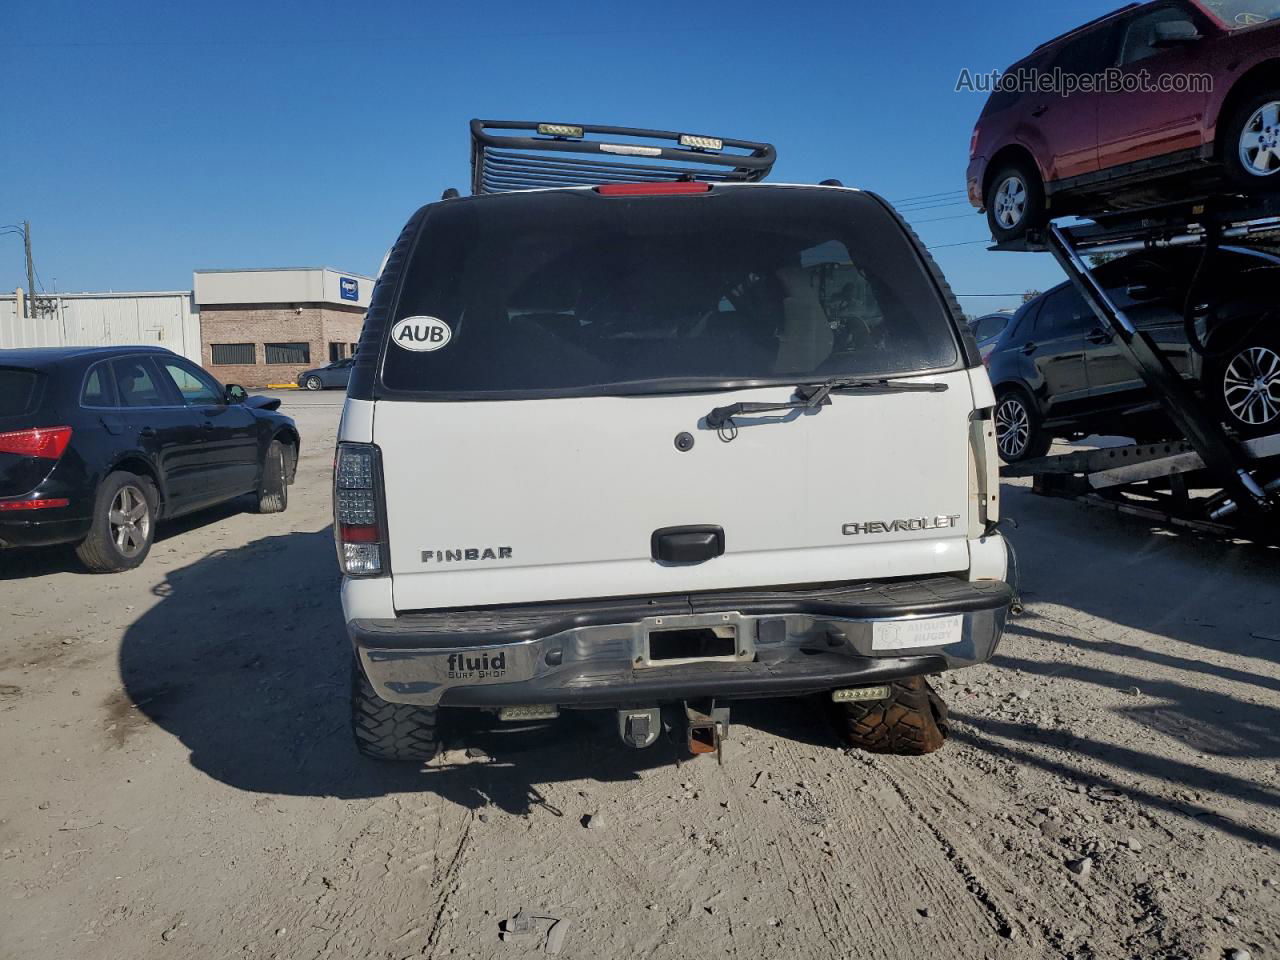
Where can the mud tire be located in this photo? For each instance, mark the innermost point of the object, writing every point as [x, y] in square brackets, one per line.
[910, 722]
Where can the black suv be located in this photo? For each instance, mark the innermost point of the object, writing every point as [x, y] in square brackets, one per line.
[1057, 373]
[97, 444]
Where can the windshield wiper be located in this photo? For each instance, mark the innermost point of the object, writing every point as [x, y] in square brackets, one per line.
[810, 396]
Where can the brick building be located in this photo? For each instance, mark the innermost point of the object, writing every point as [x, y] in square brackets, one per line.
[267, 326]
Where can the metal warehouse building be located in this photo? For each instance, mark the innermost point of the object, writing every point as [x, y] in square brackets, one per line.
[164, 317]
[267, 326]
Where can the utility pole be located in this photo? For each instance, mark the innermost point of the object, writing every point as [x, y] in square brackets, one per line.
[31, 270]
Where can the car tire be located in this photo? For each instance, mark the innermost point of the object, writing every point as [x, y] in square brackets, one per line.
[390, 731]
[1015, 202]
[123, 525]
[1244, 385]
[1250, 144]
[313, 383]
[911, 722]
[273, 484]
[1019, 432]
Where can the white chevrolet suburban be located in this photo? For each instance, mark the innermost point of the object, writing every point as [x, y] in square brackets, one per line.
[652, 448]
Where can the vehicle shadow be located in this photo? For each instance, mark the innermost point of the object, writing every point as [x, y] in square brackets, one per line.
[21, 563]
[245, 660]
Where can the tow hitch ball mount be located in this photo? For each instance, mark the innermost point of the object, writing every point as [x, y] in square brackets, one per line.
[704, 726]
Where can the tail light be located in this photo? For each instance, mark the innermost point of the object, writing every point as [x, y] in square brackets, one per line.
[973, 141]
[45, 443]
[358, 523]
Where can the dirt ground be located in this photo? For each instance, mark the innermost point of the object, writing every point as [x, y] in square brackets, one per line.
[178, 778]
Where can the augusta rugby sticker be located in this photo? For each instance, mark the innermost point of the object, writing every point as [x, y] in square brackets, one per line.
[421, 333]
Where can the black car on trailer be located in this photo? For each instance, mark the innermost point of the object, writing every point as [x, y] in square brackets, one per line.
[1058, 373]
[97, 444]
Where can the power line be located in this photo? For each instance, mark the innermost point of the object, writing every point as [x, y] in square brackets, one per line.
[955, 216]
[932, 206]
[964, 243]
[932, 196]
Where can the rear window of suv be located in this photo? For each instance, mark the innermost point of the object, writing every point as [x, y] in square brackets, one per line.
[19, 391]
[576, 293]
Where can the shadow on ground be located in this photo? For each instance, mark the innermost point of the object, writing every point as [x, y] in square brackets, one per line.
[245, 660]
[26, 562]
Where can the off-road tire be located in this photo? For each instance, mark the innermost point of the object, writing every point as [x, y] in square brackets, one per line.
[99, 551]
[390, 731]
[1034, 210]
[910, 722]
[273, 484]
[313, 383]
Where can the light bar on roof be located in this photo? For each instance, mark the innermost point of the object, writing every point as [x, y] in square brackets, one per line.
[560, 130]
[701, 143]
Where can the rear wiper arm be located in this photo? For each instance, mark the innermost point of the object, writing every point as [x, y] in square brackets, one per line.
[813, 395]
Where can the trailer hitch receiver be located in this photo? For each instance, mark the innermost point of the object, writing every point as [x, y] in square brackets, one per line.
[705, 730]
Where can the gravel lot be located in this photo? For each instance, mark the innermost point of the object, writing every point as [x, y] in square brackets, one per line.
[178, 778]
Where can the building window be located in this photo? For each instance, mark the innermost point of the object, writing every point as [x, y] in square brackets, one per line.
[288, 352]
[243, 354]
[340, 351]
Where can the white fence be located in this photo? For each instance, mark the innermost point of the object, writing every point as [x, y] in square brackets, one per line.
[163, 318]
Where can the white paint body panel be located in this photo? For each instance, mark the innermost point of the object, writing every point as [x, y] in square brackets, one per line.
[576, 486]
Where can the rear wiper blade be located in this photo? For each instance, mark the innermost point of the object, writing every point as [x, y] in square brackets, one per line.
[810, 396]
[840, 384]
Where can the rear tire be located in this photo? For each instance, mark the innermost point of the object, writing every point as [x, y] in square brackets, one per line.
[273, 485]
[1019, 433]
[910, 722]
[1244, 385]
[123, 524]
[1014, 201]
[1250, 145]
[390, 731]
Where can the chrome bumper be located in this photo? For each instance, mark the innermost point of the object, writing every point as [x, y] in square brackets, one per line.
[775, 652]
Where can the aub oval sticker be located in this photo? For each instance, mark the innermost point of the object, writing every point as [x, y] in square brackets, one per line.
[421, 333]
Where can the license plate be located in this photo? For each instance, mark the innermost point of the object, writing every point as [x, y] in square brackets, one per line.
[913, 634]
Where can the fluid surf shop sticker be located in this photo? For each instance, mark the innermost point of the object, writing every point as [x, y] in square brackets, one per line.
[421, 333]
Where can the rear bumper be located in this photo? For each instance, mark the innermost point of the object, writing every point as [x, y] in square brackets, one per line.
[41, 531]
[973, 181]
[597, 654]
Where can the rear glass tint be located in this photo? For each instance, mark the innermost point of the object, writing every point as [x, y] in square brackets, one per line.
[19, 391]
[99, 388]
[578, 293]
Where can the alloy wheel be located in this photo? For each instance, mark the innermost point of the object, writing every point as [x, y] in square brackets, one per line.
[1013, 427]
[1260, 141]
[313, 383]
[1011, 202]
[1251, 386]
[130, 521]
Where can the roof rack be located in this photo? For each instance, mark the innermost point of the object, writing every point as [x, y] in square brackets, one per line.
[528, 156]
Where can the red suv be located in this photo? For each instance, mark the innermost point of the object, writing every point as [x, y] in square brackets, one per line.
[1174, 93]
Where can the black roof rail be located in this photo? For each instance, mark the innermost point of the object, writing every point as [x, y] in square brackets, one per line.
[524, 155]
[1085, 26]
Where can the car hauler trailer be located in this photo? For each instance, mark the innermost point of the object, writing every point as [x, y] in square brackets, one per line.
[1212, 480]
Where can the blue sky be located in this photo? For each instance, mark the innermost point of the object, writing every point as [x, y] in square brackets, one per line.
[145, 140]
